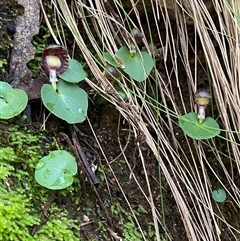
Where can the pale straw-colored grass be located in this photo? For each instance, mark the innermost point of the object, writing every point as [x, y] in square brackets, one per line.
[188, 166]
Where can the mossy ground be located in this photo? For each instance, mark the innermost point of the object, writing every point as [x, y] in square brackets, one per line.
[31, 212]
[21, 197]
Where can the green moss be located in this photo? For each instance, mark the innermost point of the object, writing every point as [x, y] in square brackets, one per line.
[21, 197]
[20, 146]
[18, 216]
[128, 226]
[62, 229]
[15, 217]
[5, 169]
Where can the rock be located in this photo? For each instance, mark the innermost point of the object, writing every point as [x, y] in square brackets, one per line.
[27, 26]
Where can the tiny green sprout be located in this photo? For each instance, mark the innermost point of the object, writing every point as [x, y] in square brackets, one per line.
[55, 61]
[219, 195]
[202, 98]
[122, 94]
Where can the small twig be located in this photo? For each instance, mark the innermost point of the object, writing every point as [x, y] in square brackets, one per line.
[91, 176]
[89, 172]
[81, 177]
[106, 213]
[47, 204]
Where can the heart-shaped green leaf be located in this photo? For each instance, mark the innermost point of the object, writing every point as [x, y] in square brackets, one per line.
[189, 124]
[74, 73]
[110, 59]
[4, 87]
[12, 101]
[69, 102]
[137, 65]
[219, 195]
[56, 170]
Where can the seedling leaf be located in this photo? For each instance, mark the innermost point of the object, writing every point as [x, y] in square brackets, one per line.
[74, 73]
[138, 65]
[189, 124]
[56, 170]
[110, 59]
[12, 101]
[219, 195]
[4, 87]
[69, 102]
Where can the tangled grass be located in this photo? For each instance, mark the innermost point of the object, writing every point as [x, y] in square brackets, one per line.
[198, 48]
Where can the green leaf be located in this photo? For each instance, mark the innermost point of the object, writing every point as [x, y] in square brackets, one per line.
[219, 195]
[138, 66]
[69, 102]
[56, 170]
[110, 59]
[189, 124]
[74, 73]
[4, 88]
[12, 101]
[120, 92]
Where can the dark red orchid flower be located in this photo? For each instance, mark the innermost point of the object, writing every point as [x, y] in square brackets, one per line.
[202, 98]
[55, 61]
